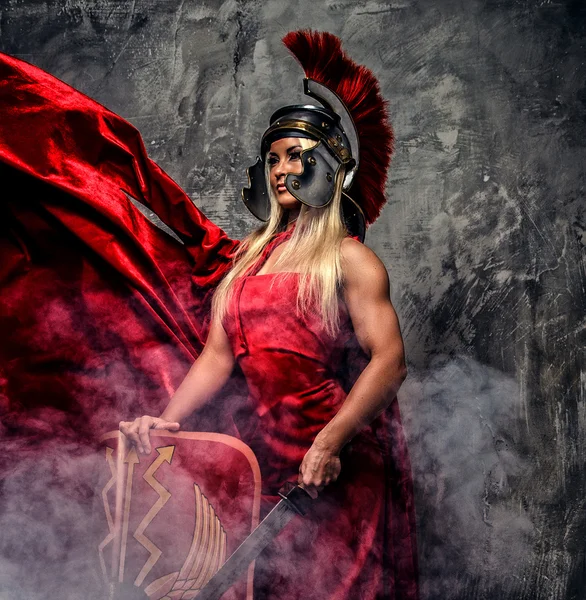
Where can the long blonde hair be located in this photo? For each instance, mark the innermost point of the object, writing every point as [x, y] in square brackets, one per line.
[313, 251]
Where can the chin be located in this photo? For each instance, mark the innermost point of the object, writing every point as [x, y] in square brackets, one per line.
[288, 202]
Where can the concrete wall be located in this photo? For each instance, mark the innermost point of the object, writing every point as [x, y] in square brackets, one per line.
[483, 234]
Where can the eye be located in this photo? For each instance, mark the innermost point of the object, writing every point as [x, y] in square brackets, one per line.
[295, 155]
[273, 160]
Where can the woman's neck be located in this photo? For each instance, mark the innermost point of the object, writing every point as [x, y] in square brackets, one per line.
[291, 219]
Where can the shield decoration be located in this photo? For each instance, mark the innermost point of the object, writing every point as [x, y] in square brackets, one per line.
[169, 520]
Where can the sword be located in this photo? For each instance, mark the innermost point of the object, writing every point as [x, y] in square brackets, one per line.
[294, 501]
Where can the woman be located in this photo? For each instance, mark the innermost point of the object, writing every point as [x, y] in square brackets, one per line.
[301, 293]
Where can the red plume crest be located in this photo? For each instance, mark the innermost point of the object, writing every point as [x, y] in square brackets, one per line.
[321, 56]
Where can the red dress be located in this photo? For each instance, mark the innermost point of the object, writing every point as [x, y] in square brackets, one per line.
[342, 549]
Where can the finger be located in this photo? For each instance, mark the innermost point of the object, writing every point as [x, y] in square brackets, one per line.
[310, 483]
[132, 435]
[144, 434]
[335, 474]
[171, 426]
[330, 477]
[125, 426]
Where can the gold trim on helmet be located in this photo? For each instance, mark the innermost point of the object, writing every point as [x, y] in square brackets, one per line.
[340, 152]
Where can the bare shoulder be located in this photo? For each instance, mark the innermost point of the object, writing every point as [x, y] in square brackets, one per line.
[361, 266]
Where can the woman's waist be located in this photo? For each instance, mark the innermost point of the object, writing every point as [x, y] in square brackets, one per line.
[295, 396]
[277, 372]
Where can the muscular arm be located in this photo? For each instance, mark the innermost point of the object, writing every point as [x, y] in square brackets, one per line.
[366, 293]
[207, 376]
[377, 330]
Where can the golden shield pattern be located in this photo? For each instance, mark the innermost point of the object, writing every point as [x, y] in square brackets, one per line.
[167, 521]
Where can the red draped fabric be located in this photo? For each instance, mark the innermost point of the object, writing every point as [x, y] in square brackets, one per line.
[101, 312]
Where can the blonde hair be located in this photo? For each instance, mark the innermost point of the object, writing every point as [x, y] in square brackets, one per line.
[313, 251]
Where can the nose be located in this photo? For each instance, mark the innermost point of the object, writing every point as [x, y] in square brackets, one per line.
[283, 167]
[280, 169]
[280, 172]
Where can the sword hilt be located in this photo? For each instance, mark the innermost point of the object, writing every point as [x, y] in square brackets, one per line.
[296, 497]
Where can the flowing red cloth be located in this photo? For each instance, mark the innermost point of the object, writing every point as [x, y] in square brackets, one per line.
[358, 540]
[102, 313]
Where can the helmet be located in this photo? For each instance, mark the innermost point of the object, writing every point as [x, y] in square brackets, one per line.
[352, 112]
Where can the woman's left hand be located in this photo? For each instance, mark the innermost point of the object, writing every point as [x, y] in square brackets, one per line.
[320, 467]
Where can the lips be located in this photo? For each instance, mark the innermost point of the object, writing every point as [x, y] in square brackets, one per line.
[281, 188]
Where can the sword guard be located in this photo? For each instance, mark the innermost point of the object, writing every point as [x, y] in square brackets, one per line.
[296, 497]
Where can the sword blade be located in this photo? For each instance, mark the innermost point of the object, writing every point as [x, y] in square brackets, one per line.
[294, 502]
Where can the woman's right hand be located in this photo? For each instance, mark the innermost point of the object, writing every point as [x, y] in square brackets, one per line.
[138, 431]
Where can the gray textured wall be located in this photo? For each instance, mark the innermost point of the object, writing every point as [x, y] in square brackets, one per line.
[484, 232]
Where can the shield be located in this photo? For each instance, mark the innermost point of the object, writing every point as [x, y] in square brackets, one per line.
[169, 520]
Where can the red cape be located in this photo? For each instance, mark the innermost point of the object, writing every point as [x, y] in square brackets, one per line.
[102, 312]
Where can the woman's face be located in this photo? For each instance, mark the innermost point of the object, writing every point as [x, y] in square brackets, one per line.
[284, 157]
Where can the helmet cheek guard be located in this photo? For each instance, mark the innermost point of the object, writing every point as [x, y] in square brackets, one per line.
[315, 185]
[255, 196]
